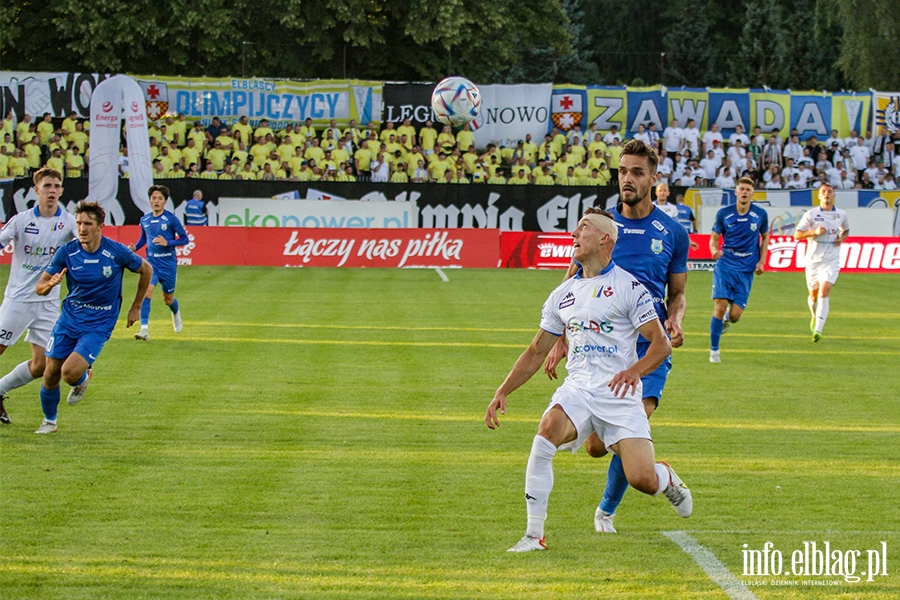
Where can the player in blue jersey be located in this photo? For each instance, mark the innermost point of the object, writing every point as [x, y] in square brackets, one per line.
[744, 229]
[93, 266]
[653, 247]
[161, 232]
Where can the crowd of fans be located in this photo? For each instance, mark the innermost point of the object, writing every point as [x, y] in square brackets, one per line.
[401, 154]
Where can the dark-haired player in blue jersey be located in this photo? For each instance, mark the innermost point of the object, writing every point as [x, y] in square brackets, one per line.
[93, 266]
[653, 247]
[744, 229]
[161, 232]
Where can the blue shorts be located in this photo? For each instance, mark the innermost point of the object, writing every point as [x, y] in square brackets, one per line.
[655, 382]
[733, 286]
[88, 345]
[166, 276]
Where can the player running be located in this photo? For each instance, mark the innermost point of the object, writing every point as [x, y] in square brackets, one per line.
[825, 228]
[653, 247]
[164, 232]
[601, 310]
[93, 266]
[37, 234]
[745, 231]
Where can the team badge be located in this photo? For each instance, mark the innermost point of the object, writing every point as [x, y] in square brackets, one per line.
[164, 227]
[752, 226]
[107, 271]
[656, 246]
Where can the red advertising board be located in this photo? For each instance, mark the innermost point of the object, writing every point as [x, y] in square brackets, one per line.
[527, 249]
[280, 247]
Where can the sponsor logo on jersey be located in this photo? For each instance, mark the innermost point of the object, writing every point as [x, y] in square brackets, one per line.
[568, 300]
[660, 227]
[32, 228]
[656, 246]
[634, 231]
[107, 271]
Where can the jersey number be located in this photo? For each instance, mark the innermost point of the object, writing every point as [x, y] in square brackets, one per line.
[5, 335]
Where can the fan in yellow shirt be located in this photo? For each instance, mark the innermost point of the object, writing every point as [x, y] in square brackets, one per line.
[520, 177]
[446, 140]
[427, 138]
[497, 178]
[74, 162]
[45, 129]
[400, 175]
[209, 172]
[465, 138]
[545, 178]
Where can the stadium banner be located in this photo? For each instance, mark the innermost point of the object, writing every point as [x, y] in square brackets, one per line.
[408, 248]
[510, 112]
[647, 105]
[769, 110]
[280, 101]
[811, 115]
[886, 110]
[783, 220]
[686, 104]
[408, 101]
[258, 212]
[533, 250]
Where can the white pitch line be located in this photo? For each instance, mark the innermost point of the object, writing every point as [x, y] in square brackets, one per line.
[713, 567]
[440, 272]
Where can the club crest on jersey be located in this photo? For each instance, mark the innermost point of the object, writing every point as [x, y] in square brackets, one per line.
[107, 271]
[753, 226]
[608, 291]
[656, 246]
[164, 227]
[568, 300]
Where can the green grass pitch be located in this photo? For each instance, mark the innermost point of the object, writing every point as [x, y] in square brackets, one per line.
[318, 433]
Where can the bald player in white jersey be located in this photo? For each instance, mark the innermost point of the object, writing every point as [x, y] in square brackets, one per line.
[601, 310]
[36, 233]
[824, 228]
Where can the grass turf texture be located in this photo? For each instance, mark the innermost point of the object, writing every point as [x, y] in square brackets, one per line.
[319, 433]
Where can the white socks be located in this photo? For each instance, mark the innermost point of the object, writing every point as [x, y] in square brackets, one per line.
[662, 474]
[538, 484]
[16, 378]
[821, 314]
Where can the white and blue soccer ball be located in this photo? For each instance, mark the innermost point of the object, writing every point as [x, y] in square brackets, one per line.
[455, 101]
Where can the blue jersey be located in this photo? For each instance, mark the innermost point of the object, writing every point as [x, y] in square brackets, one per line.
[740, 248]
[169, 227]
[651, 249]
[686, 216]
[94, 280]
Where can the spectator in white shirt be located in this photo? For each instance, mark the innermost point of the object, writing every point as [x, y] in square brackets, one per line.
[709, 136]
[673, 138]
[889, 182]
[769, 173]
[710, 165]
[775, 183]
[834, 139]
[725, 180]
[804, 174]
[653, 134]
[771, 153]
[736, 152]
[687, 178]
[845, 182]
[642, 134]
[821, 180]
[793, 149]
[794, 183]
[850, 141]
[860, 155]
[612, 135]
[692, 137]
[738, 135]
[787, 173]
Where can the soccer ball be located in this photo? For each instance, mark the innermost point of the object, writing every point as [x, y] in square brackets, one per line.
[455, 101]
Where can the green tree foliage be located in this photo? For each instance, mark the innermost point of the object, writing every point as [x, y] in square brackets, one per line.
[870, 53]
[627, 39]
[805, 57]
[377, 39]
[756, 58]
[689, 57]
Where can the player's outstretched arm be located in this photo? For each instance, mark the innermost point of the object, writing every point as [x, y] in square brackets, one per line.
[146, 273]
[526, 366]
[625, 382]
[47, 282]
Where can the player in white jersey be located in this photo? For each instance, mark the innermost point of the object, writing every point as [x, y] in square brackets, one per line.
[601, 310]
[823, 228]
[36, 234]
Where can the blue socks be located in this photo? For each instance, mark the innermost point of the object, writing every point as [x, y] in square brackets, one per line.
[174, 306]
[81, 379]
[616, 486]
[145, 312]
[715, 333]
[50, 402]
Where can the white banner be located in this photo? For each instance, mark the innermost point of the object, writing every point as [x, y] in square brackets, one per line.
[109, 99]
[509, 112]
[253, 212]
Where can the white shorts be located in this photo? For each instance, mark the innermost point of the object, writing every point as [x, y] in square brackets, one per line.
[613, 419]
[818, 272]
[37, 317]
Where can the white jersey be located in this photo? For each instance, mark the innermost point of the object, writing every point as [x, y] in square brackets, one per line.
[36, 240]
[669, 208]
[822, 249]
[600, 317]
